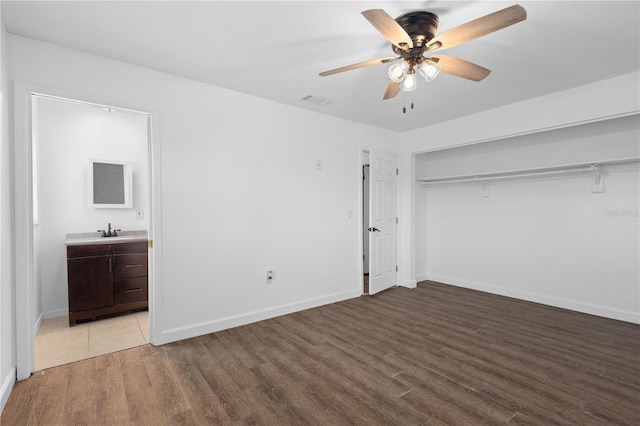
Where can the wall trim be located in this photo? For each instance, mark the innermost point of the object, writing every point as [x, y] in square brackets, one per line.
[199, 329]
[38, 323]
[422, 277]
[408, 283]
[7, 386]
[55, 313]
[587, 308]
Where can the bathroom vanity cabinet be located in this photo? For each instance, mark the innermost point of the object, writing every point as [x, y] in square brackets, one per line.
[106, 278]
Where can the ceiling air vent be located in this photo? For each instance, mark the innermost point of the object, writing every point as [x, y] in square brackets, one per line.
[315, 100]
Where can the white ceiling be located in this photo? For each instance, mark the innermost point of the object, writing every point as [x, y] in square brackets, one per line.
[275, 50]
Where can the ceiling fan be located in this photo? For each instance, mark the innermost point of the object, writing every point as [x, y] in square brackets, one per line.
[413, 38]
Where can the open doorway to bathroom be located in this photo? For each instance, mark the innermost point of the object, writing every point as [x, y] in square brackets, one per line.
[365, 222]
[65, 135]
[365, 232]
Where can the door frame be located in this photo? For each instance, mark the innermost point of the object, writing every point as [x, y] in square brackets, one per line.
[23, 211]
[364, 159]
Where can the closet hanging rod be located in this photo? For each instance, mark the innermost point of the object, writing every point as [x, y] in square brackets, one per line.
[539, 171]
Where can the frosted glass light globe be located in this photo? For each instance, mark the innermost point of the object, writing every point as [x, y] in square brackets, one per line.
[398, 71]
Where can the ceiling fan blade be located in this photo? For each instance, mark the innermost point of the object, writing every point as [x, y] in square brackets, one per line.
[389, 28]
[478, 27]
[461, 68]
[358, 65]
[392, 90]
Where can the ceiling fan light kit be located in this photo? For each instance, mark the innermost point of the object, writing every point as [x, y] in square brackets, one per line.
[410, 82]
[429, 70]
[413, 37]
[398, 71]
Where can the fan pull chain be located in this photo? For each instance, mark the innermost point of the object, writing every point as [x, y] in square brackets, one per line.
[404, 104]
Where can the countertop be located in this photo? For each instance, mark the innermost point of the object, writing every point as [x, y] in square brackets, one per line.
[97, 238]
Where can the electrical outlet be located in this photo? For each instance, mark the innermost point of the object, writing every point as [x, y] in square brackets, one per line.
[269, 277]
[140, 214]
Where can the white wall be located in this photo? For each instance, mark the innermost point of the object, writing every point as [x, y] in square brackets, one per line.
[68, 135]
[240, 192]
[548, 240]
[7, 294]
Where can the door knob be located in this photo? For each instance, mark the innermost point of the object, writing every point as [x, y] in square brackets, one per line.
[374, 229]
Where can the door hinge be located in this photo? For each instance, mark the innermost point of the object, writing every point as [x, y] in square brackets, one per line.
[363, 258]
[397, 172]
[396, 220]
[150, 243]
[396, 268]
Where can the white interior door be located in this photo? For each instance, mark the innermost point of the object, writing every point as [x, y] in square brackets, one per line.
[382, 221]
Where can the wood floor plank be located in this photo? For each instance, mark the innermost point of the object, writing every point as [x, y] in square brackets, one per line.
[46, 409]
[23, 397]
[432, 355]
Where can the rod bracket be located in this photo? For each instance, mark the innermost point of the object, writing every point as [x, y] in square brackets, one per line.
[485, 188]
[598, 180]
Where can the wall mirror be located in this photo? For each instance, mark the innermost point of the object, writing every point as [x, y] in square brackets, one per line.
[110, 184]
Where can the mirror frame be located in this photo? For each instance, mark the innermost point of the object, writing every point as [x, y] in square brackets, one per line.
[128, 184]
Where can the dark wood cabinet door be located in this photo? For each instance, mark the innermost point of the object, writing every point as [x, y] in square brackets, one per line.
[90, 282]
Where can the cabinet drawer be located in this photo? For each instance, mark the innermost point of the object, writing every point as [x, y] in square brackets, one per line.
[131, 290]
[130, 265]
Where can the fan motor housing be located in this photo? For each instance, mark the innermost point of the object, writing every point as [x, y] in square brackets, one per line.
[421, 27]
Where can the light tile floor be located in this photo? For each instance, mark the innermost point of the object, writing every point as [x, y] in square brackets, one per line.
[56, 343]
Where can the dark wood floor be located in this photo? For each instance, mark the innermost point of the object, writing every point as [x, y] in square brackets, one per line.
[436, 354]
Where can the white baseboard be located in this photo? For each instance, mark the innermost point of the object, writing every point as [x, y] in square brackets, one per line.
[7, 386]
[55, 313]
[408, 283]
[187, 332]
[422, 277]
[36, 326]
[601, 311]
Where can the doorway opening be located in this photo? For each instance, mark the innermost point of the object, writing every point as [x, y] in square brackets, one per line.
[57, 137]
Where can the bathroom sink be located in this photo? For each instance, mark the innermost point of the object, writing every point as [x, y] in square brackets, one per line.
[96, 238]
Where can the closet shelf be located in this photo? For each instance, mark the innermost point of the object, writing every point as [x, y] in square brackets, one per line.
[537, 171]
